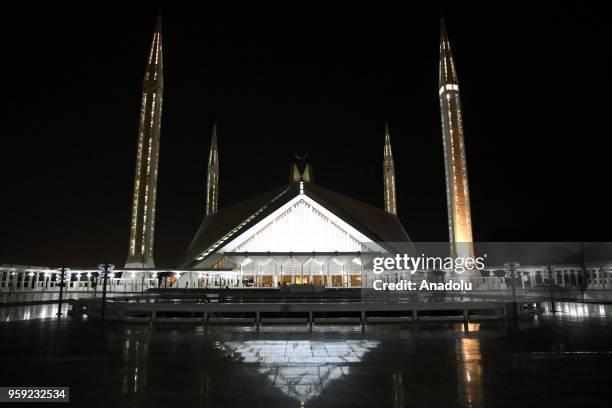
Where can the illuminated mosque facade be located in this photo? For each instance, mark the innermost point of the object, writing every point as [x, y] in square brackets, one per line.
[301, 232]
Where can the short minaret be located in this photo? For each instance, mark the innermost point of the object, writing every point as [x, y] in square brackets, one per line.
[212, 179]
[308, 175]
[457, 192]
[147, 155]
[294, 174]
[389, 175]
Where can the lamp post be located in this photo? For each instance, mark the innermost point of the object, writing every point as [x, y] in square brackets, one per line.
[551, 286]
[104, 268]
[62, 275]
[11, 282]
[511, 268]
[584, 284]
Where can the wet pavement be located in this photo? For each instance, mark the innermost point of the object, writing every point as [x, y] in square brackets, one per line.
[15, 313]
[6, 297]
[47, 306]
[561, 360]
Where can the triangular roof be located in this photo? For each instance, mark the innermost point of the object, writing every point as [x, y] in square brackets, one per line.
[230, 222]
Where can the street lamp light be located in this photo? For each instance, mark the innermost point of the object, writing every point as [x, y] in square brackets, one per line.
[105, 268]
[61, 276]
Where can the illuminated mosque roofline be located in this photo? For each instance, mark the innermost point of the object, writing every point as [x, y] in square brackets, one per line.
[373, 223]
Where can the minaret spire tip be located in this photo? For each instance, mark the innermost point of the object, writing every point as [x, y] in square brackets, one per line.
[212, 177]
[447, 72]
[158, 27]
[389, 174]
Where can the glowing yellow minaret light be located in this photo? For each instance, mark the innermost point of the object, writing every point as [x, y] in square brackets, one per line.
[389, 175]
[147, 156]
[457, 192]
[212, 178]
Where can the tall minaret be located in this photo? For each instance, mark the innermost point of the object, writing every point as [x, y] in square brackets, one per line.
[212, 179]
[389, 175]
[457, 192]
[147, 156]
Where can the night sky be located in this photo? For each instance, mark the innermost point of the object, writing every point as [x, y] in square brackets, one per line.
[324, 79]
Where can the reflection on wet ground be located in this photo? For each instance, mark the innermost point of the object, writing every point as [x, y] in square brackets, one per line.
[40, 311]
[300, 368]
[552, 360]
[6, 297]
[13, 313]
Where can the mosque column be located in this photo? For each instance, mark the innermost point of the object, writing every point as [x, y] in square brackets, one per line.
[562, 279]
[346, 276]
[322, 275]
[23, 275]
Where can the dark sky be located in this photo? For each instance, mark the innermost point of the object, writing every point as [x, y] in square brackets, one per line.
[533, 88]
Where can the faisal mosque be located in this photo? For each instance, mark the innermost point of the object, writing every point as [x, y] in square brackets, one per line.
[300, 233]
